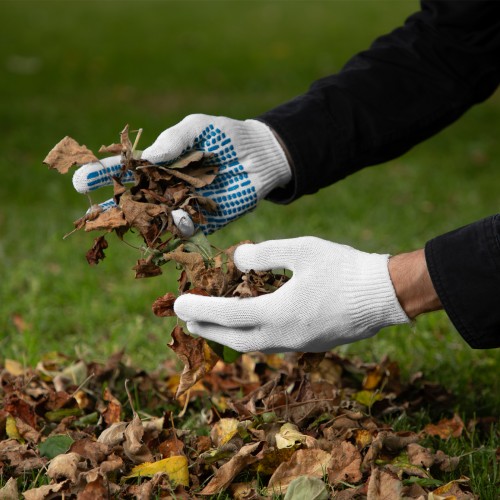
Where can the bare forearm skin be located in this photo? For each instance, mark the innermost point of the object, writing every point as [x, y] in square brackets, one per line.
[412, 283]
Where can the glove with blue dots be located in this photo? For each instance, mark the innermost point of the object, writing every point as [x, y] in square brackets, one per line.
[251, 163]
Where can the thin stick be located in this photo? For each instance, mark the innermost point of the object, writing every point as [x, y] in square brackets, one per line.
[137, 137]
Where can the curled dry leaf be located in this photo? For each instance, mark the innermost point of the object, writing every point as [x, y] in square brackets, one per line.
[66, 153]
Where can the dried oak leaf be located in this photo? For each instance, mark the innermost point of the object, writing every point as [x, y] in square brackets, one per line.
[96, 253]
[196, 355]
[67, 153]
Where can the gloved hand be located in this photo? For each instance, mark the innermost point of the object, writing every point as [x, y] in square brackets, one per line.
[252, 163]
[337, 295]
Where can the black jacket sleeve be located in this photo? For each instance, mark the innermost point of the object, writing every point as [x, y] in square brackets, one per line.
[406, 87]
[409, 85]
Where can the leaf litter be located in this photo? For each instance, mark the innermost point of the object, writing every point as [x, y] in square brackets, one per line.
[312, 425]
[148, 208]
[258, 427]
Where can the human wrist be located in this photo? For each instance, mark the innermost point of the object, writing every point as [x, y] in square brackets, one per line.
[412, 283]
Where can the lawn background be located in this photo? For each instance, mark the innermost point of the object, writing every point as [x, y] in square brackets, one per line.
[86, 68]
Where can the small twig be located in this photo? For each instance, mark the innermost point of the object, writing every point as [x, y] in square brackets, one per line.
[127, 381]
[83, 384]
[137, 137]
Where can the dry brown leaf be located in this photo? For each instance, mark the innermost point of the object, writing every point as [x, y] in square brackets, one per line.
[313, 462]
[66, 153]
[64, 466]
[446, 428]
[164, 306]
[112, 149]
[46, 491]
[345, 465]
[113, 410]
[146, 269]
[112, 218]
[91, 450]
[384, 485]
[9, 491]
[135, 450]
[113, 435]
[96, 253]
[197, 357]
[247, 455]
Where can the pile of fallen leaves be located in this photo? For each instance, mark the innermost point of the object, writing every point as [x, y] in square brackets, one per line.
[146, 207]
[303, 427]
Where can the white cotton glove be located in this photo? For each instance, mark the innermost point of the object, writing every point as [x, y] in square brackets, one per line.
[252, 163]
[336, 295]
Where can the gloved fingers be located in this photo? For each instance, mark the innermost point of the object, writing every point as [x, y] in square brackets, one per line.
[98, 174]
[231, 312]
[174, 141]
[240, 339]
[273, 254]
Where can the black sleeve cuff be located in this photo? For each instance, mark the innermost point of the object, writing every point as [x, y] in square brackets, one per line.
[464, 266]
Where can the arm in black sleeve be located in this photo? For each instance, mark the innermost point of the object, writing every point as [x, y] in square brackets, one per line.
[409, 85]
[464, 266]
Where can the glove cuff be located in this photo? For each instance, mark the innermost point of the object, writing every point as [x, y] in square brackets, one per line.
[377, 306]
[266, 162]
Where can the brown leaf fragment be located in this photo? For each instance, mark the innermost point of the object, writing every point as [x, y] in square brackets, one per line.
[112, 149]
[47, 491]
[446, 428]
[311, 462]
[94, 489]
[20, 457]
[164, 306]
[114, 435]
[91, 450]
[445, 462]
[146, 269]
[64, 466]
[189, 158]
[134, 448]
[96, 253]
[191, 261]
[197, 357]
[384, 485]
[112, 463]
[113, 410]
[345, 465]
[112, 218]
[247, 455]
[66, 153]
[420, 456]
[9, 491]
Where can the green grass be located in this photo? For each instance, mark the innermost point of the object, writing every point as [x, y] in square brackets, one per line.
[85, 68]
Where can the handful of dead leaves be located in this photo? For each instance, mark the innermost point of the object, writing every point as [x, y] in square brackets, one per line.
[146, 208]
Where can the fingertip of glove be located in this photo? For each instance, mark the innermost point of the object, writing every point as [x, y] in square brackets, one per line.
[243, 257]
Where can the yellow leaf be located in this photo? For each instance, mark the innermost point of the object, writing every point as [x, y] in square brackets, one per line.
[223, 431]
[288, 436]
[14, 367]
[12, 430]
[367, 398]
[175, 467]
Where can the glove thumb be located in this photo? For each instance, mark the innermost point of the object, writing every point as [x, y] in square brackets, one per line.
[174, 141]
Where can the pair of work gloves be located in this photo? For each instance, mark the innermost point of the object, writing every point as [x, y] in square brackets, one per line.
[337, 294]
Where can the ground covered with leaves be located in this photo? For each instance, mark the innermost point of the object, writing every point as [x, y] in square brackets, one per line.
[302, 426]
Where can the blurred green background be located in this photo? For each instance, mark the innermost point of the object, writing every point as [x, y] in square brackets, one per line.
[87, 68]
